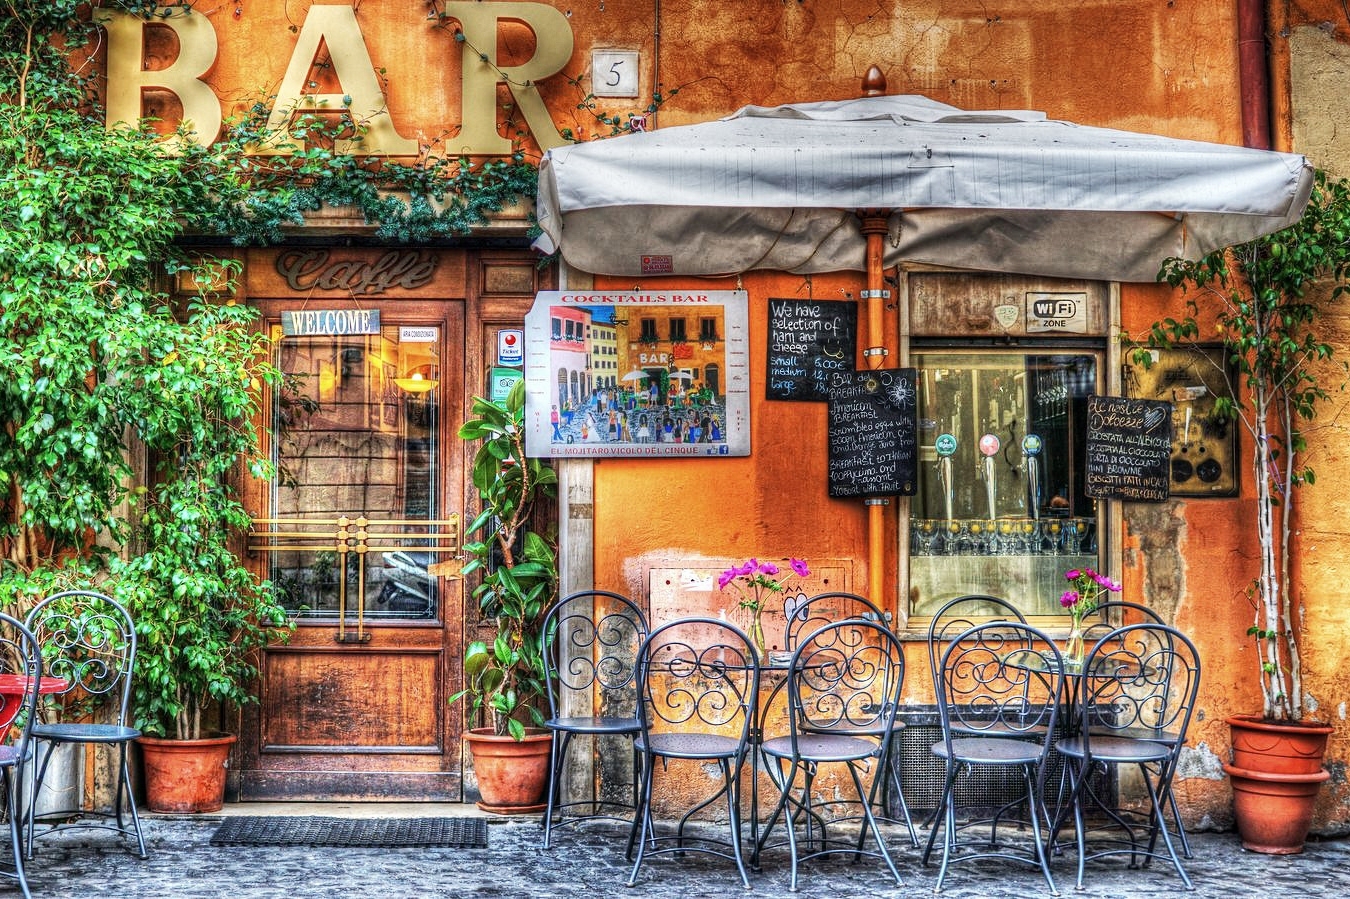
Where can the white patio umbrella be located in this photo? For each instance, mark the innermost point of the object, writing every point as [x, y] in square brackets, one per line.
[1010, 191]
[635, 375]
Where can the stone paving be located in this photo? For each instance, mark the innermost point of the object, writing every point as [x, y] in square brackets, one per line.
[589, 862]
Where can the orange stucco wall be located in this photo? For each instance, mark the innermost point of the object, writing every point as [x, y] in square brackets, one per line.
[1169, 68]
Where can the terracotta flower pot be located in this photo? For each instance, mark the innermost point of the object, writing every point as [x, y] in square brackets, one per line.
[1276, 774]
[1280, 747]
[185, 776]
[1274, 811]
[512, 775]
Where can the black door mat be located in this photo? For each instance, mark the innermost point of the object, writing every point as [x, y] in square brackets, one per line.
[311, 830]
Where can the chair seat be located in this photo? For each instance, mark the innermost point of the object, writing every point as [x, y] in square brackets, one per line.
[1116, 749]
[690, 746]
[598, 724]
[85, 733]
[822, 747]
[990, 751]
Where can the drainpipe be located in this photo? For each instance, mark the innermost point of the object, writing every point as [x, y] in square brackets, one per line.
[1254, 73]
[874, 229]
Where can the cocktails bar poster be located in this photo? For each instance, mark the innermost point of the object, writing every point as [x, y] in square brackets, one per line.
[637, 374]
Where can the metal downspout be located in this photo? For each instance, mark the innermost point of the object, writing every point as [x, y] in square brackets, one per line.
[1254, 73]
[874, 229]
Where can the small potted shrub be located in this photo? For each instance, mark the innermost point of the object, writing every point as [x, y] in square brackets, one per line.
[519, 581]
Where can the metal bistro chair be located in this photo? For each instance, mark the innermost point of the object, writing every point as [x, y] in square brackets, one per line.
[590, 644]
[89, 639]
[1134, 613]
[19, 655]
[1134, 704]
[1000, 685]
[698, 682]
[954, 617]
[825, 608]
[844, 691]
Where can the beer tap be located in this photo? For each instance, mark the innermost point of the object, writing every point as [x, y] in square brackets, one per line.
[989, 445]
[1031, 450]
[946, 447]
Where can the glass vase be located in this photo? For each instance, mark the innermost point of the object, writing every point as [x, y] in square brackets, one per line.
[757, 635]
[1075, 648]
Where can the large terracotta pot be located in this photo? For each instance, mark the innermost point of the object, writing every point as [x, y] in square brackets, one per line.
[1274, 811]
[1275, 774]
[1280, 747]
[185, 776]
[512, 775]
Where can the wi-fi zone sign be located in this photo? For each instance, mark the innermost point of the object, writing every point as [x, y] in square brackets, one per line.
[1062, 312]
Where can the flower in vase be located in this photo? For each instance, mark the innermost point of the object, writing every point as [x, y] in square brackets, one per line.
[755, 583]
[1086, 592]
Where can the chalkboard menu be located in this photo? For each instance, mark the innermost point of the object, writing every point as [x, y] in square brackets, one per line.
[1129, 442]
[808, 341]
[873, 433]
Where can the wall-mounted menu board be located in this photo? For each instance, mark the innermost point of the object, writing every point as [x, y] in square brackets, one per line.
[808, 341]
[1129, 442]
[873, 433]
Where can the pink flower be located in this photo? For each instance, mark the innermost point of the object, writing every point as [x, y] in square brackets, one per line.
[1068, 598]
[768, 568]
[1072, 574]
[799, 567]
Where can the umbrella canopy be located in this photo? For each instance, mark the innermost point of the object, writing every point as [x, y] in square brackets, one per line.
[778, 188]
[635, 375]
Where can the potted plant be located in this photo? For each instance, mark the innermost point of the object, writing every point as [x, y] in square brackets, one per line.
[1268, 312]
[504, 675]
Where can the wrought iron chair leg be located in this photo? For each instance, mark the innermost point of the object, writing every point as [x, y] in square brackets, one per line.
[12, 804]
[870, 823]
[31, 812]
[131, 803]
[734, 813]
[642, 821]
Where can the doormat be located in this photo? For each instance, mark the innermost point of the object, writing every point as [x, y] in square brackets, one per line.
[311, 830]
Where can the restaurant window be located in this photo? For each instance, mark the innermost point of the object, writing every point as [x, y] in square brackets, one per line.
[677, 330]
[707, 329]
[1000, 507]
[648, 330]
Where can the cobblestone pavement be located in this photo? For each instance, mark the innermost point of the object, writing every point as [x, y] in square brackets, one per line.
[589, 862]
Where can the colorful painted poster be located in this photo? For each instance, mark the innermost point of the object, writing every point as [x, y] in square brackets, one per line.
[638, 373]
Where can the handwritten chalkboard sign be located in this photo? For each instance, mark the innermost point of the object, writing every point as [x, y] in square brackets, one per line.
[1129, 442]
[808, 341]
[873, 432]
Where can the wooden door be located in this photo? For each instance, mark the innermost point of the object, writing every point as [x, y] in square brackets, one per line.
[361, 517]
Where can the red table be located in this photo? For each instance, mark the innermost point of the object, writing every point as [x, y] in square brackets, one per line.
[12, 688]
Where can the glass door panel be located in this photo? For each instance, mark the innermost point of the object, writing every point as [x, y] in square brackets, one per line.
[357, 458]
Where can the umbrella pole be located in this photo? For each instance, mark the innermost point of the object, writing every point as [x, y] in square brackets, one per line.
[874, 228]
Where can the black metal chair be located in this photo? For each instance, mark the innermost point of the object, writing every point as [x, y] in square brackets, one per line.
[89, 639]
[1117, 613]
[1136, 694]
[844, 691]
[698, 682]
[1000, 685]
[590, 644]
[20, 658]
[825, 608]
